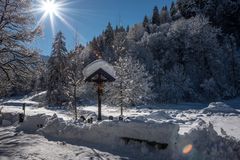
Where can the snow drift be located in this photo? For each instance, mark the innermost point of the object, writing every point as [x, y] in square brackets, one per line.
[204, 141]
[108, 133]
[32, 123]
[218, 107]
[111, 132]
[159, 115]
[7, 119]
[207, 145]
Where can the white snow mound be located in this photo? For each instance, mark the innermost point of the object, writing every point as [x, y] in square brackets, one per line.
[110, 133]
[159, 115]
[203, 139]
[207, 144]
[106, 132]
[218, 107]
[33, 123]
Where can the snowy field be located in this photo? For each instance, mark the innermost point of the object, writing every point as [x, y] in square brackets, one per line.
[177, 125]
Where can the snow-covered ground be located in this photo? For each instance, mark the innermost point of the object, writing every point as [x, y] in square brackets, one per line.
[19, 146]
[222, 117]
[32, 107]
[187, 119]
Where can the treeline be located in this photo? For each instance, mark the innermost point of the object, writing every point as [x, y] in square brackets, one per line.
[191, 50]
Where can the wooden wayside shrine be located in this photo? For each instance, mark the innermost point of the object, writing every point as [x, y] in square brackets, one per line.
[99, 74]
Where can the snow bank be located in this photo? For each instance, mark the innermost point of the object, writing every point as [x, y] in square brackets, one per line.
[203, 142]
[96, 65]
[6, 123]
[108, 131]
[33, 123]
[7, 119]
[39, 97]
[218, 107]
[53, 127]
[159, 115]
[112, 134]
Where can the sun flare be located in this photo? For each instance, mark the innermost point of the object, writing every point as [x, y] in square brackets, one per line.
[54, 11]
[50, 7]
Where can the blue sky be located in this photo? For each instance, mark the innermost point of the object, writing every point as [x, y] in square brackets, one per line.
[88, 18]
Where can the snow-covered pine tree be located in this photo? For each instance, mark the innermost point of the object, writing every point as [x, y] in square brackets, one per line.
[145, 21]
[96, 47]
[156, 16]
[108, 38]
[57, 92]
[119, 29]
[164, 15]
[109, 35]
[133, 85]
[119, 44]
[173, 10]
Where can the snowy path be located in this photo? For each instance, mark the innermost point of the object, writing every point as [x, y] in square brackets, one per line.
[19, 146]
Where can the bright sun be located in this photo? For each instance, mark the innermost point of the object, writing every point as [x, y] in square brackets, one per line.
[50, 7]
[53, 10]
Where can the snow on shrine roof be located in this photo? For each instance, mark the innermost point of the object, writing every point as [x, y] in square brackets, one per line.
[96, 65]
